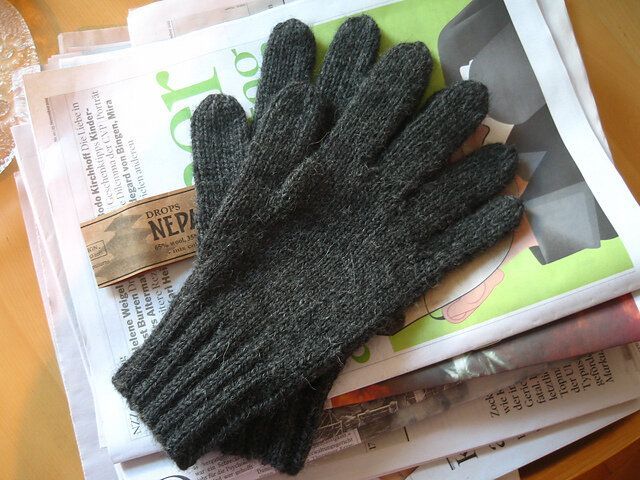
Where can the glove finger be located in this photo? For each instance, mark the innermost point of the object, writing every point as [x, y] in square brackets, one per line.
[220, 134]
[426, 144]
[468, 237]
[289, 57]
[292, 126]
[387, 97]
[461, 189]
[351, 55]
[288, 131]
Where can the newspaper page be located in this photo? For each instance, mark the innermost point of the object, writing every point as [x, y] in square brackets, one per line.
[92, 41]
[578, 79]
[78, 402]
[171, 18]
[610, 324]
[557, 18]
[569, 390]
[376, 417]
[491, 461]
[96, 462]
[97, 118]
[85, 415]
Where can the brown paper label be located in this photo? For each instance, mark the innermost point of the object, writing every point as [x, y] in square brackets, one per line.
[141, 235]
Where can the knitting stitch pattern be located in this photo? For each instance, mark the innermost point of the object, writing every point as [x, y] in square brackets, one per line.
[311, 252]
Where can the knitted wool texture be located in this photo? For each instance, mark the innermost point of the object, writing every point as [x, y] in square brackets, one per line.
[333, 246]
[220, 137]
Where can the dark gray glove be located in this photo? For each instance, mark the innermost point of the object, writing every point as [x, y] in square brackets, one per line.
[329, 248]
[220, 140]
[283, 437]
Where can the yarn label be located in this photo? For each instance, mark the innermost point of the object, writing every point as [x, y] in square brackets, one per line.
[141, 235]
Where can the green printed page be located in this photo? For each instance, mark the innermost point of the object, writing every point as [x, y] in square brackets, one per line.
[524, 280]
[406, 21]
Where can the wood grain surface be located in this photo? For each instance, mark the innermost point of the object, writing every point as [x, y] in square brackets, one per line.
[36, 436]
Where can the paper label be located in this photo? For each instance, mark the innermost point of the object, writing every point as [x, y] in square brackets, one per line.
[141, 235]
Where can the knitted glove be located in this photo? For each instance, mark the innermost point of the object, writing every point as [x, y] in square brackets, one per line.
[220, 139]
[345, 239]
[220, 142]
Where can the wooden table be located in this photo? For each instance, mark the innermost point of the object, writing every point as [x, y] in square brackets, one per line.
[36, 439]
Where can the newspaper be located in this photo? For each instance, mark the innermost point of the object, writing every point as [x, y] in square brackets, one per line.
[495, 459]
[609, 324]
[569, 390]
[96, 463]
[171, 18]
[605, 142]
[93, 41]
[98, 150]
[67, 143]
[376, 417]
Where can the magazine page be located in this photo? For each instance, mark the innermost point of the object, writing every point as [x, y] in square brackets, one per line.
[99, 150]
[156, 21]
[467, 302]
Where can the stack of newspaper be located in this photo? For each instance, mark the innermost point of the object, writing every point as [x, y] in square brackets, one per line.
[530, 347]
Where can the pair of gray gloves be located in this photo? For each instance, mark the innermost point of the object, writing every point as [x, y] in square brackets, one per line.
[318, 225]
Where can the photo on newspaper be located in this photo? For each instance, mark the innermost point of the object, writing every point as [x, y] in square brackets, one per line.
[565, 240]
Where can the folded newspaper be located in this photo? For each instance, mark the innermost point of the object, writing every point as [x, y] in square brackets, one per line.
[116, 129]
